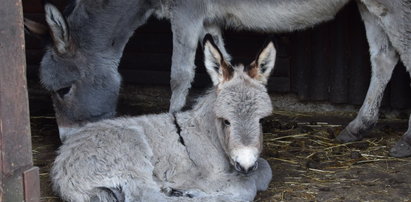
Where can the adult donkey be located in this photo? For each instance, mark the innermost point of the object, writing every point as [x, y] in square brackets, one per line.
[387, 23]
[210, 153]
[80, 64]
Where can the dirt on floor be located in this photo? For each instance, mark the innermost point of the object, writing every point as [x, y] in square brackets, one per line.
[307, 163]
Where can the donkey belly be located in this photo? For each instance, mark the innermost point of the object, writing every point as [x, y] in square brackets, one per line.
[275, 15]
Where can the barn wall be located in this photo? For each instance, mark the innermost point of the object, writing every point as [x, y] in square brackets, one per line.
[327, 63]
[331, 62]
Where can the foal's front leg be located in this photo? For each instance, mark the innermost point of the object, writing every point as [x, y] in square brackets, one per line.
[190, 193]
[262, 175]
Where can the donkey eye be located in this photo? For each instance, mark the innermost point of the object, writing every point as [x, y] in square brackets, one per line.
[63, 91]
[227, 123]
[261, 121]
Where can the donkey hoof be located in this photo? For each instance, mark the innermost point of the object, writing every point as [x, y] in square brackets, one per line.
[401, 149]
[187, 193]
[347, 136]
[176, 193]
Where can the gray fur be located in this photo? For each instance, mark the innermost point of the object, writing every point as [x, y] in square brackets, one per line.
[80, 66]
[94, 25]
[145, 158]
[387, 23]
[388, 28]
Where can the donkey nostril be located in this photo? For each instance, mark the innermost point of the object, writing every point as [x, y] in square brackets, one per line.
[238, 167]
[241, 169]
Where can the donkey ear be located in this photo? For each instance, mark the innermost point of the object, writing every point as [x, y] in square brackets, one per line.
[261, 68]
[218, 69]
[37, 29]
[58, 29]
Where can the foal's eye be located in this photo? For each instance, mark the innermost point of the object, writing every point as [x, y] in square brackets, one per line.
[63, 91]
[227, 123]
[261, 121]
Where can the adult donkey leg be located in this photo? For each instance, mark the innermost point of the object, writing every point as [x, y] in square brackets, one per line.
[403, 147]
[383, 60]
[185, 39]
[215, 32]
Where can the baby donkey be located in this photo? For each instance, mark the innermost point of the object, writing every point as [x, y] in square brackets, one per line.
[210, 153]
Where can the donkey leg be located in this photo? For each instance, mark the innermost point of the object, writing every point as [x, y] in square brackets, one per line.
[143, 190]
[107, 195]
[215, 31]
[185, 40]
[262, 175]
[403, 147]
[383, 60]
[398, 26]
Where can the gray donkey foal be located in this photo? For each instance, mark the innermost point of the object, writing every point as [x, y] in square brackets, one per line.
[210, 153]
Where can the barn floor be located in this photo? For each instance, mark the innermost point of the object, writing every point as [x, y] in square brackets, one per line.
[307, 164]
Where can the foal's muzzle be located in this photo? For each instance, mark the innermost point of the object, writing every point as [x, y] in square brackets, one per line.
[243, 170]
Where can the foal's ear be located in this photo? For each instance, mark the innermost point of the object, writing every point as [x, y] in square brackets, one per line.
[261, 68]
[218, 69]
[58, 29]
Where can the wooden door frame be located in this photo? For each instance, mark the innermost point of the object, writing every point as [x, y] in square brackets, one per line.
[19, 180]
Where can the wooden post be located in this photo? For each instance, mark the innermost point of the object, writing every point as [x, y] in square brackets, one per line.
[19, 181]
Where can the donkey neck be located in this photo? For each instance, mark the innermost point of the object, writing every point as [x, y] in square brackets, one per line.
[107, 25]
[203, 109]
[199, 127]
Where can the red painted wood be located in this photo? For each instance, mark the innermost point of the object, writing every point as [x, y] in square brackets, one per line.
[15, 139]
[31, 185]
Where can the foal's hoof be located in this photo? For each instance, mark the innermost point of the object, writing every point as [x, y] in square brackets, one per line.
[176, 193]
[347, 136]
[180, 193]
[401, 149]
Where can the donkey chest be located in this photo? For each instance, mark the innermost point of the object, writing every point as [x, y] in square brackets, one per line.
[170, 159]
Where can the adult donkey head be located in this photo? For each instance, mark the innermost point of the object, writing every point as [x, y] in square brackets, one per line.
[79, 67]
[242, 101]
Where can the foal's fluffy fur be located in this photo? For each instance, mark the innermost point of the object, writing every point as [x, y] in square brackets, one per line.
[194, 153]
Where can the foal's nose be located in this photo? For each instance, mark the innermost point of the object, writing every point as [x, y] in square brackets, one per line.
[241, 169]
